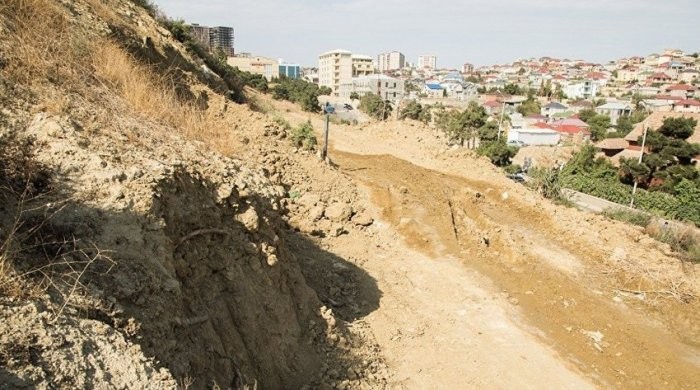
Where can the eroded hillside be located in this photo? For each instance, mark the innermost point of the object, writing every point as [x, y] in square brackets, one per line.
[155, 234]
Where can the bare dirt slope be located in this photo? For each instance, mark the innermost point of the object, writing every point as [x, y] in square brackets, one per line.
[597, 302]
[178, 239]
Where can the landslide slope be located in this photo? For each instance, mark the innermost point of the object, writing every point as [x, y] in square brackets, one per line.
[134, 253]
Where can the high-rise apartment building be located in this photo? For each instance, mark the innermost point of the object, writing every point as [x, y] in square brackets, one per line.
[427, 62]
[335, 71]
[221, 38]
[214, 38]
[391, 61]
[200, 34]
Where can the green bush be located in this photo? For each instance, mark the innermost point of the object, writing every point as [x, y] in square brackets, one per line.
[304, 137]
[374, 106]
[498, 152]
[416, 111]
[546, 181]
[628, 216]
[298, 91]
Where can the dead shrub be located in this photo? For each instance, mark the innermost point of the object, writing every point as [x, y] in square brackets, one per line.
[155, 97]
[43, 44]
[682, 239]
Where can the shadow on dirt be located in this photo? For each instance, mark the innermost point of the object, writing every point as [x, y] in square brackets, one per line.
[9, 381]
[208, 284]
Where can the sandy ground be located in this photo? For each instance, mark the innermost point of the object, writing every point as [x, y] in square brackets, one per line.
[490, 286]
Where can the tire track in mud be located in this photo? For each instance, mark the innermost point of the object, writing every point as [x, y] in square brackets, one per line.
[547, 275]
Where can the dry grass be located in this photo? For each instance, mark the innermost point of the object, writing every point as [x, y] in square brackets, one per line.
[154, 96]
[43, 45]
[685, 240]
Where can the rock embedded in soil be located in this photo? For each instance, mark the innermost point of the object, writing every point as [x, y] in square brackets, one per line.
[338, 212]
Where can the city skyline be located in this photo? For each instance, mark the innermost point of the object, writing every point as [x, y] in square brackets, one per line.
[478, 32]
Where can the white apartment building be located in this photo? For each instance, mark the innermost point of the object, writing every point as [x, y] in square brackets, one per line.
[362, 65]
[388, 88]
[335, 70]
[427, 61]
[391, 61]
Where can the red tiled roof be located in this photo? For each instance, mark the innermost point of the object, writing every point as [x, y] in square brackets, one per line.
[542, 125]
[595, 75]
[688, 102]
[492, 103]
[660, 75]
[681, 87]
[667, 97]
[571, 129]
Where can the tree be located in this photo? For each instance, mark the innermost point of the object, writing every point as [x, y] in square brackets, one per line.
[586, 114]
[354, 96]
[298, 91]
[545, 88]
[463, 126]
[626, 124]
[669, 161]
[416, 111]
[374, 106]
[559, 92]
[599, 126]
[512, 89]
[530, 106]
[498, 152]
[324, 91]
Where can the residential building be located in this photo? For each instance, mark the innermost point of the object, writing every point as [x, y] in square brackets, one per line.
[585, 89]
[391, 61]
[553, 108]
[684, 91]
[434, 90]
[266, 67]
[534, 136]
[290, 71]
[615, 110]
[687, 105]
[200, 34]
[335, 70]
[214, 38]
[221, 38]
[362, 65]
[427, 62]
[689, 76]
[389, 88]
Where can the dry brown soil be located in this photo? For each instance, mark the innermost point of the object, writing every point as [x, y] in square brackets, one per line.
[486, 284]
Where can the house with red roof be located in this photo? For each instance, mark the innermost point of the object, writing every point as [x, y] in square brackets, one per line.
[659, 77]
[684, 91]
[687, 105]
[573, 133]
[493, 107]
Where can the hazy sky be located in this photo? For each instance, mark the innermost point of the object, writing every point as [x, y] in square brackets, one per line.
[478, 31]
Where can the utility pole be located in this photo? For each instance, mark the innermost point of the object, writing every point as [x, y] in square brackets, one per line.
[641, 155]
[324, 152]
[500, 122]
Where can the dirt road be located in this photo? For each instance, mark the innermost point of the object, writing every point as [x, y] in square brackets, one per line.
[486, 285]
[489, 296]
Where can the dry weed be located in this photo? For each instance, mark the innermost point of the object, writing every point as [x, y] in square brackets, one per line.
[43, 45]
[154, 96]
